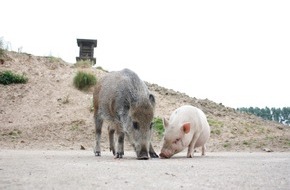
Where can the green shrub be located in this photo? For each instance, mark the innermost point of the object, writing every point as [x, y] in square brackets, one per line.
[83, 80]
[8, 77]
[158, 126]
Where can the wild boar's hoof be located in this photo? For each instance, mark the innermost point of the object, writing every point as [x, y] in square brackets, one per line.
[119, 155]
[114, 153]
[153, 155]
[143, 156]
[97, 153]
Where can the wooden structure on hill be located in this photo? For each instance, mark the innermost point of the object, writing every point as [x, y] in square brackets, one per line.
[87, 49]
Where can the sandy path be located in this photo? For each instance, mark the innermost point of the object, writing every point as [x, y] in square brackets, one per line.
[39, 169]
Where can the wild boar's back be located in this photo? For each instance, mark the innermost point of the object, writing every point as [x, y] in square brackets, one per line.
[117, 91]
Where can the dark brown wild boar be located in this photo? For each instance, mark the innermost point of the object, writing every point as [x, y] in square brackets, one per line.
[124, 101]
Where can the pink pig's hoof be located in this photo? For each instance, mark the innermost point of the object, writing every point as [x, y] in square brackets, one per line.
[189, 156]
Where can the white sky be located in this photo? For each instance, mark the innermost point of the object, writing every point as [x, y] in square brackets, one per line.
[232, 52]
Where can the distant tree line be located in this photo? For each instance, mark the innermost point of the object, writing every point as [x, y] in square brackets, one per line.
[281, 115]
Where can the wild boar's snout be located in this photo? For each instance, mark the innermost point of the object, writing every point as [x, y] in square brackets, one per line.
[143, 154]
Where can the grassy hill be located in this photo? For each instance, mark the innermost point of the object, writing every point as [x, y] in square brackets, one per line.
[48, 112]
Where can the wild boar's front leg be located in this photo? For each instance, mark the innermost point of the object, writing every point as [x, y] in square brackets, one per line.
[120, 148]
[152, 153]
[98, 125]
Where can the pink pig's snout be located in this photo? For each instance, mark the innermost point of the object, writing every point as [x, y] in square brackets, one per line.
[166, 153]
[162, 155]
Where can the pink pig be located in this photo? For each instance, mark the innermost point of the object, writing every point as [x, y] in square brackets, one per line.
[187, 127]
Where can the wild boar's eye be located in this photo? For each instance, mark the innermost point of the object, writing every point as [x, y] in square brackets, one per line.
[135, 125]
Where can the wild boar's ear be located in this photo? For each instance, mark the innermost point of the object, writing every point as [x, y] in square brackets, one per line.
[165, 122]
[186, 128]
[152, 99]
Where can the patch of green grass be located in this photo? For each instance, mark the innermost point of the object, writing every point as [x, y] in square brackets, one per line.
[215, 123]
[84, 80]
[287, 142]
[215, 126]
[247, 129]
[215, 131]
[8, 77]
[53, 59]
[75, 127]
[15, 133]
[53, 62]
[158, 126]
[271, 138]
[261, 130]
[246, 143]
[227, 145]
[83, 64]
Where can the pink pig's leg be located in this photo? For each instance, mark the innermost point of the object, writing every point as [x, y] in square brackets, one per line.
[203, 148]
[191, 146]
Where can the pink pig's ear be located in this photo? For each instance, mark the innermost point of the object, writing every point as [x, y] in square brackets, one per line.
[186, 127]
[165, 122]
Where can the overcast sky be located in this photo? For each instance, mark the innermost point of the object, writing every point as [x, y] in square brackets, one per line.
[232, 52]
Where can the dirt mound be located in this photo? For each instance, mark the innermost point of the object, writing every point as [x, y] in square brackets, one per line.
[48, 112]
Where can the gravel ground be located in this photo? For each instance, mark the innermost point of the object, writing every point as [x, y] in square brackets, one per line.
[40, 169]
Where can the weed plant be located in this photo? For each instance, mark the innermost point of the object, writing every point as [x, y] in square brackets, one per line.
[84, 80]
[8, 77]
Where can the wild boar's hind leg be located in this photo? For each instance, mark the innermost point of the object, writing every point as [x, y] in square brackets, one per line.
[152, 153]
[111, 138]
[98, 125]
